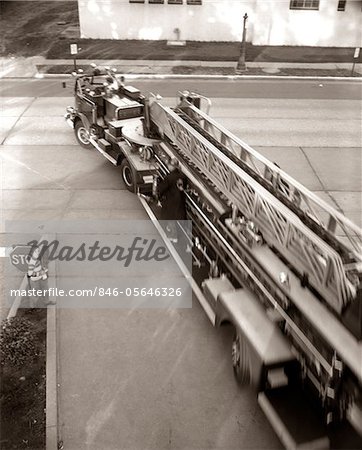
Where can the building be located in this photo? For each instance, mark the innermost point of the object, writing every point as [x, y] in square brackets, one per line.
[335, 23]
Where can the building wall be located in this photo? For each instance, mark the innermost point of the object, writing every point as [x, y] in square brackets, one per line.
[270, 22]
[276, 24]
[118, 19]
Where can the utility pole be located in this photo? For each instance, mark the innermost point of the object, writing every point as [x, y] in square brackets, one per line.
[241, 67]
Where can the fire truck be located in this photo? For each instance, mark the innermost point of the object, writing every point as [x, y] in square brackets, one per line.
[279, 265]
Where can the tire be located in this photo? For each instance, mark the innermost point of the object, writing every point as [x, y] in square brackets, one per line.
[82, 135]
[128, 176]
[240, 358]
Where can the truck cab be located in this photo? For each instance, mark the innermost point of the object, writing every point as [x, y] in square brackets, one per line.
[109, 116]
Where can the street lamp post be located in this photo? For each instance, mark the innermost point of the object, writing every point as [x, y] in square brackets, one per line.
[241, 67]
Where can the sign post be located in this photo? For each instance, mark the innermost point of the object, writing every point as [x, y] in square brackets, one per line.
[74, 52]
[241, 67]
[355, 56]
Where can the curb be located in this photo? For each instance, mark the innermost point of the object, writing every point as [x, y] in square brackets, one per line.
[207, 77]
[199, 63]
[51, 417]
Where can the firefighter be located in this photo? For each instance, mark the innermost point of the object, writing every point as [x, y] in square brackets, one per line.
[171, 192]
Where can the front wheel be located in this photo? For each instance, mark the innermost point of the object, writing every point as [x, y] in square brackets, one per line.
[240, 357]
[82, 134]
[128, 175]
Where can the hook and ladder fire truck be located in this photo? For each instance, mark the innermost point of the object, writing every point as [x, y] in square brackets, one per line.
[282, 266]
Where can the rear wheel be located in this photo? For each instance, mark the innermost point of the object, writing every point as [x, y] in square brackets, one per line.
[82, 134]
[128, 175]
[240, 359]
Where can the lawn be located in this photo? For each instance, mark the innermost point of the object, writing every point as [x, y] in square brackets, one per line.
[23, 388]
[31, 28]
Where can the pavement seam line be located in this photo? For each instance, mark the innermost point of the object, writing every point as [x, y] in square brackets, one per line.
[67, 206]
[17, 120]
[325, 190]
[51, 428]
[34, 171]
[60, 425]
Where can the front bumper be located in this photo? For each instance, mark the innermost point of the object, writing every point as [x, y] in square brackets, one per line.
[69, 116]
[69, 121]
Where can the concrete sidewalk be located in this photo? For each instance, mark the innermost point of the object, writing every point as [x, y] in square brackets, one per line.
[39, 66]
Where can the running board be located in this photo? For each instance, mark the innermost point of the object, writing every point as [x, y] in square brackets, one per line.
[294, 419]
[105, 154]
[195, 288]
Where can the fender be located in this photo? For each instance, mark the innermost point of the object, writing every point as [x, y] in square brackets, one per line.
[84, 119]
[267, 346]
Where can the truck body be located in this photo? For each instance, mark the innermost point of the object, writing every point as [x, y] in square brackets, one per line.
[275, 262]
[104, 109]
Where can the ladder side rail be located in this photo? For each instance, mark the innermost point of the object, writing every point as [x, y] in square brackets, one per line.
[219, 167]
[221, 137]
[226, 138]
[303, 254]
[309, 202]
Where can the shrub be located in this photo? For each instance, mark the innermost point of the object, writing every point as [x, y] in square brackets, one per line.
[17, 342]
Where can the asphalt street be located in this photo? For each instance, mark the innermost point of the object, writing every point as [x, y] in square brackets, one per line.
[163, 379]
[229, 88]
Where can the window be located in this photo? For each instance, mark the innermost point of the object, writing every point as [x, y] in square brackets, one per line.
[304, 4]
[341, 5]
[194, 2]
[174, 2]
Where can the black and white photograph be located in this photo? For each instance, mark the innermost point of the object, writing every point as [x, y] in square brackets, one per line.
[181, 224]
